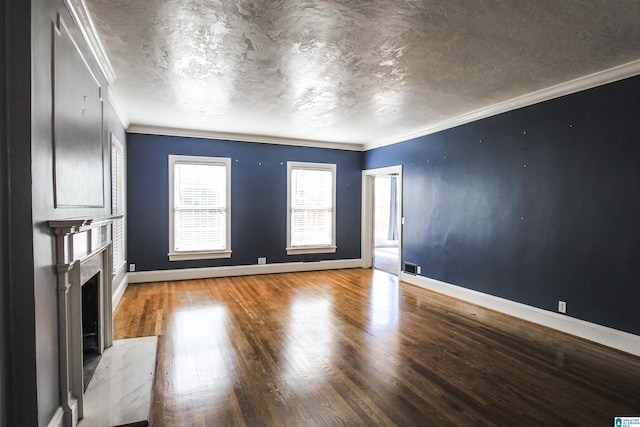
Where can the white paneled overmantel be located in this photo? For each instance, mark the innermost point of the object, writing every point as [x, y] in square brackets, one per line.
[83, 251]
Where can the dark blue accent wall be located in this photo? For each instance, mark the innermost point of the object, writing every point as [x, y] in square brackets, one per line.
[535, 205]
[258, 199]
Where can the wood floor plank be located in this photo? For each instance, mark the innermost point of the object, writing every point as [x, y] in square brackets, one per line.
[355, 347]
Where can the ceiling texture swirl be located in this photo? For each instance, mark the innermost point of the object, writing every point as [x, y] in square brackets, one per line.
[348, 71]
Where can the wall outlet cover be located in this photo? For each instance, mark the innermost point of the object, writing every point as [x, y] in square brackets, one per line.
[562, 307]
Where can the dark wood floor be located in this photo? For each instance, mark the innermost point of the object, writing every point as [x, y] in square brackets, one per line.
[354, 347]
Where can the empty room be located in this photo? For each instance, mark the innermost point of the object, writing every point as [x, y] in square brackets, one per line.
[320, 213]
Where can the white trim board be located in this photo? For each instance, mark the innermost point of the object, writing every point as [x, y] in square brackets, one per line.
[239, 270]
[241, 137]
[119, 292]
[57, 419]
[609, 337]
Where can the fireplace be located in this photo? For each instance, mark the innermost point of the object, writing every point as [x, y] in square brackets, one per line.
[90, 328]
[84, 306]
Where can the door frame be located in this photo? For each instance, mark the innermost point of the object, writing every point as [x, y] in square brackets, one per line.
[367, 242]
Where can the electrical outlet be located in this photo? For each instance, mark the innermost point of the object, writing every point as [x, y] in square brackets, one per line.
[418, 270]
[132, 267]
[262, 260]
[562, 307]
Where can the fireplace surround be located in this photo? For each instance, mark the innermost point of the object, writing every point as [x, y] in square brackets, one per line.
[83, 251]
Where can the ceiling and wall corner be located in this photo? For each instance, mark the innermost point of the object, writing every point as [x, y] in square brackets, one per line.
[359, 73]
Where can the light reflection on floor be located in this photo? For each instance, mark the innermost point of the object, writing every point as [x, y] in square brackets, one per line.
[383, 304]
[309, 339]
[203, 354]
[384, 321]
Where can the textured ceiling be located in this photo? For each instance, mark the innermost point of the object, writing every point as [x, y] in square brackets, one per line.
[350, 71]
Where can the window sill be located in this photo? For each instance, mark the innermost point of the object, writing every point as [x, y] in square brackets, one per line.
[184, 256]
[311, 250]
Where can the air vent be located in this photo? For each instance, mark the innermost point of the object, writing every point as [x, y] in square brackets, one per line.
[410, 268]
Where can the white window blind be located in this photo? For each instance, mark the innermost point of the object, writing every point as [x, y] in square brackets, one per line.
[311, 221]
[200, 207]
[117, 204]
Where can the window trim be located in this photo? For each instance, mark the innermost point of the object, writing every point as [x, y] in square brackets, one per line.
[207, 254]
[311, 249]
[118, 212]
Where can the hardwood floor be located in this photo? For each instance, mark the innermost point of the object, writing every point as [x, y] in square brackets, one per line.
[355, 347]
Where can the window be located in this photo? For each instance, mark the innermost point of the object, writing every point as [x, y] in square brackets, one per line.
[311, 213]
[200, 207]
[117, 204]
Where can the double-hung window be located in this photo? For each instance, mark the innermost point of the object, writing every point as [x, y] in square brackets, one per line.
[311, 213]
[200, 207]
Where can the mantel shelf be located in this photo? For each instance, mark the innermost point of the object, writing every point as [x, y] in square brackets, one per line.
[79, 223]
[76, 225]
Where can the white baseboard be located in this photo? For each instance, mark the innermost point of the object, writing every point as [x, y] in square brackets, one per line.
[609, 337]
[57, 419]
[119, 291]
[239, 270]
[62, 419]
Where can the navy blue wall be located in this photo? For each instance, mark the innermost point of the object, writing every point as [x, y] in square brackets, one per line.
[536, 205]
[258, 199]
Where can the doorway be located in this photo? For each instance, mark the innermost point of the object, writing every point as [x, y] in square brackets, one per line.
[382, 219]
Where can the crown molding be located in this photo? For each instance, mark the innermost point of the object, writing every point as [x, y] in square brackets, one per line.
[82, 17]
[117, 108]
[263, 139]
[590, 81]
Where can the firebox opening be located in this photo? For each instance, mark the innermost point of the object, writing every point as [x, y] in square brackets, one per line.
[90, 327]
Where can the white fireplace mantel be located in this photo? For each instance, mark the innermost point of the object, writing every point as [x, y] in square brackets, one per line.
[83, 250]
